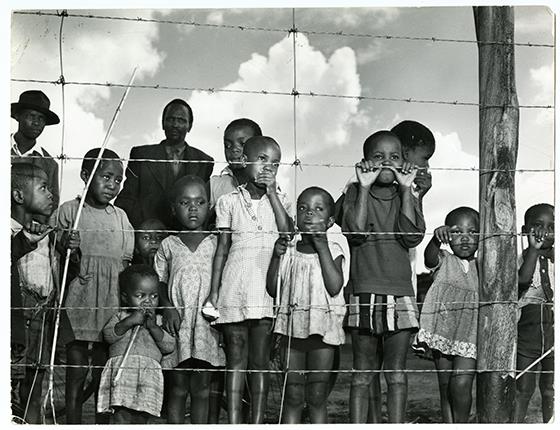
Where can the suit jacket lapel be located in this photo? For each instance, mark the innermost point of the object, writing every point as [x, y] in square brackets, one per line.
[159, 170]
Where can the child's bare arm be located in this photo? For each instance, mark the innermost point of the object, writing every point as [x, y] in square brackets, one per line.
[171, 317]
[283, 220]
[530, 260]
[272, 274]
[331, 270]
[431, 253]
[220, 258]
[134, 319]
[367, 173]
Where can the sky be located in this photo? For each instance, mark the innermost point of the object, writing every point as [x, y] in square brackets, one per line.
[328, 130]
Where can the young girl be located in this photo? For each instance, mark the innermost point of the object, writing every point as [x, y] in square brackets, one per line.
[247, 217]
[448, 323]
[147, 241]
[106, 246]
[137, 393]
[382, 312]
[184, 265]
[535, 328]
[311, 280]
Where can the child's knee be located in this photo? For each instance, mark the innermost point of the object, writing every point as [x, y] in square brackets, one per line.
[295, 394]
[396, 378]
[362, 379]
[546, 388]
[526, 385]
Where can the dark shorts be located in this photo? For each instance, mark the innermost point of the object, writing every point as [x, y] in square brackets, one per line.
[535, 330]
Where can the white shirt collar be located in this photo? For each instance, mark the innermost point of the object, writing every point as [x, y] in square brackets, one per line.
[15, 148]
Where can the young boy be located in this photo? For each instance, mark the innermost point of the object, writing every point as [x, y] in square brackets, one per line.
[535, 330]
[34, 281]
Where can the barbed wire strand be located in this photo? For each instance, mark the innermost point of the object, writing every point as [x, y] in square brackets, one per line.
[283, 93]
[240, 27]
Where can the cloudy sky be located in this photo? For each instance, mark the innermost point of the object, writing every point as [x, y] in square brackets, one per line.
[328, 130]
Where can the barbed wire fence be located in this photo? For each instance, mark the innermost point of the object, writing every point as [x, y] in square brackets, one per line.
[295, 94]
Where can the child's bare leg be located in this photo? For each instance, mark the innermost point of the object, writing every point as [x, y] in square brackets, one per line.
[236, 336]
[318, 383]
[546, 386]
[294, 399]
[395, 347]
[374, 410]
[364, 348]
[31, 400]
[76, 355]
[99, 355]
[217, 382]
[444, 365]
[259, 359]
[177, 390]
[460, 388]
[525, 386]
[200, 394]
[122, 415]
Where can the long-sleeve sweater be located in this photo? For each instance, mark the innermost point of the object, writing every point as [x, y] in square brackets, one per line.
[379, 264]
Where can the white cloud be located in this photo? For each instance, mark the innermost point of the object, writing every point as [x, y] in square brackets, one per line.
[215, 17]
[542, 80]
[353, 17]
[372, 52]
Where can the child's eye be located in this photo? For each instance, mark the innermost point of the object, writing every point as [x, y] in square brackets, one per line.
[118, 180]
[301, 208]
[146, 238]
[276, 164]
[395, 157]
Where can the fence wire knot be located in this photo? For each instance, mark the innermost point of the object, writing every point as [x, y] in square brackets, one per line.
[60, 80]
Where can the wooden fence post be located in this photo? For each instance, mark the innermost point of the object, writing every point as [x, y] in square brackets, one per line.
[498, 140]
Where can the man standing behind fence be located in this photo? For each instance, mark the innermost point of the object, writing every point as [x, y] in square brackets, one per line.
[145, 190]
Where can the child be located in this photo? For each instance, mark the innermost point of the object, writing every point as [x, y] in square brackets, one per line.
[138, 392]
[107, 243]
[448, 323]
[184, 266]
[311, 280]
[146, 242]
[383, 313]
[247, 217]
[33, 283]
[235, 135]
[535, 330]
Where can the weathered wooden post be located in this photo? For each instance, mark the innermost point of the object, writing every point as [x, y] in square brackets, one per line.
[498, 122]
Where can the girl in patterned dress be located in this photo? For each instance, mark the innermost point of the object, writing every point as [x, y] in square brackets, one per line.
[311, 304]
[448, 323]
[138, 392]
[107, 242]
[183, 263]
[249, 217]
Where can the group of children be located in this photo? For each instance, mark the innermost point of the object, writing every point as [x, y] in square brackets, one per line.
[141, 302]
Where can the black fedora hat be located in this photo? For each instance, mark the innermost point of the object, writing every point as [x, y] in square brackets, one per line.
[35, 100]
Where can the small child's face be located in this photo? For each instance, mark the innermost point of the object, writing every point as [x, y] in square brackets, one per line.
[266, 157]
[464, 240]
[147, 242]
[144, 293]
[191, 206]
[419, 156]
[106, 182]
[313, 212]
[234, 139]
[37, 198]
[543, 220]
[31, 123]
[386, 152]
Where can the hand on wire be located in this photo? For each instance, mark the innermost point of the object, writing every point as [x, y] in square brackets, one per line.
[443, 234]
[35, 232]
[367, 173]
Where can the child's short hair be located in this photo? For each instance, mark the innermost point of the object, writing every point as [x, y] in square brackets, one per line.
[182, 103]
[534, 210]
[244, 122]
[188, 179]
[463, 210]
[374, 138]
[92, 154]
[23, 173]
[328, 198]
[412, 134]
[258, 140]
[140, 270]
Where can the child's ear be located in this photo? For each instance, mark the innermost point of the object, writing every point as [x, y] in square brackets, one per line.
[244, 160]
[330, 222]
[405, 154]
[124, 298]
[17, 196]
[524, 229]
[84, 175]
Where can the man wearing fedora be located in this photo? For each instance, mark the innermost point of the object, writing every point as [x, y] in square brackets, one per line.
[32, 112]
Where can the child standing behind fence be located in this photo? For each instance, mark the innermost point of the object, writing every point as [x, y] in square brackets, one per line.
[535, 329]
[248, 216]
[311, 305]
[448, 324]
[383, 313]
[106, 246]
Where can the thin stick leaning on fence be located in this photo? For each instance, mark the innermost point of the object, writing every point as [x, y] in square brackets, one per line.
[126, 353]
[50, 390]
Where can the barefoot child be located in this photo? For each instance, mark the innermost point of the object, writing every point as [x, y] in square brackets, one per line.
[147, 241]
[184, 266]
[448, 323]
[247, 217]
[535, 329]
[106, 246]
[138, 392]
[311, 280]
[383, 313]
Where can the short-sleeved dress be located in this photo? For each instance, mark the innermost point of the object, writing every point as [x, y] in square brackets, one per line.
[140, 386]
[449, 318]
[243, 292]
[314, 311]
[106, 239]
[188, 275]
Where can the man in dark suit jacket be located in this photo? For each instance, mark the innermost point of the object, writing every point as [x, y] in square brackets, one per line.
[146, 190]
